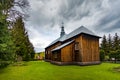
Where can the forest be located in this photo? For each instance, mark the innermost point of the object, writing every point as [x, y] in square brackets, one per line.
[110, 48]
[14, 42]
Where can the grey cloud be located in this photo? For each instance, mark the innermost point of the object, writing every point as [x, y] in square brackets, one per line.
[77, 9]
[113, 14]
[113, 27]
[101, 16]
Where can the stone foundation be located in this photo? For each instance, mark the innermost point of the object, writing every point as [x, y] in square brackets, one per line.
[73, 63]
[62, 63]
[47, 60]
[88, 63]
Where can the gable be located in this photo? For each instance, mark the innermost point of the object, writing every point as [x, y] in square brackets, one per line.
[63, 45]
[76, 32]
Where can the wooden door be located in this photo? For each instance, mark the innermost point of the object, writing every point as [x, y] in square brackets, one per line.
[76, 55]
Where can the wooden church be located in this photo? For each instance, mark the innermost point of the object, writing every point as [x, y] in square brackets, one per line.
[80, 47]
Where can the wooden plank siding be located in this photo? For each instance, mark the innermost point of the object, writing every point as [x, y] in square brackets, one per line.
[56, 55]
[79, 40]
[86, 53]
[90, 47]
[67, 53]
[48, 52]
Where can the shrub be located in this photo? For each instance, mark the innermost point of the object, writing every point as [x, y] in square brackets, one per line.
[102, 55]
[4, 64]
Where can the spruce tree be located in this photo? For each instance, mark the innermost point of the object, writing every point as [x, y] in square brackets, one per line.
[104, 44]
[116, 45]
[6, 44]
[24, 48]
[8, 16]
[109, 44]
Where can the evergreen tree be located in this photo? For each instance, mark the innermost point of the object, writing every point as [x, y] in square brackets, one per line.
[116, 47]
[116, 43]
[104, 45]
[7, 15]
[111, 47]
[5, 41]
[6, 44]
[24, 48]
[109, 44]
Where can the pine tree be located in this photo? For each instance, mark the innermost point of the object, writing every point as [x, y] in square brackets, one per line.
[109, 43]
[111, 47]
[104, 45]
[116, 45]
[24, 48]
[30, 48]
[7, 15]
[6, 44]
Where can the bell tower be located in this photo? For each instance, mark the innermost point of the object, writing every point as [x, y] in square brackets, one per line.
[62, 30]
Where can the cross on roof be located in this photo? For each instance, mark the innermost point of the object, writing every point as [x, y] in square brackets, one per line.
[62, 23]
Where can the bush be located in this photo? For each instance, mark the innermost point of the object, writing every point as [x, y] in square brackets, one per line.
[115, 54]
[112, 54]
[102, 55]
[4, 64]
[107, 58]
[118, 54]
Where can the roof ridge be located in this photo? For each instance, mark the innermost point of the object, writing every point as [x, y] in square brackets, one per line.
[75, 32]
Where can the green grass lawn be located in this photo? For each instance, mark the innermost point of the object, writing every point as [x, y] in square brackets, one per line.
[39, 70]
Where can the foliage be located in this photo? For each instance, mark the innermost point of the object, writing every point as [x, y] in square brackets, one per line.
[6, 49]
[39, 70]
[116, 42]
[112, 54]
[6, 43]
[118, 54]
[111, 46]
[4, 63]
[102, 55]
[24, 48]
[109, 43]
[9, 16]
[40, 55]
[115, 54]
[104, 44]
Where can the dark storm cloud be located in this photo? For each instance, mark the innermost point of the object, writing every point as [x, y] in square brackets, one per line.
[77, 9]
[68, 9]
[113, 27]
[100, 16]
[112, 18]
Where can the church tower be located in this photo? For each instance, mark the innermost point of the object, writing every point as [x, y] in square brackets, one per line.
[62, 30]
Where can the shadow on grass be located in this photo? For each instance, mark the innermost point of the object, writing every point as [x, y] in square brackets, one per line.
[3, 70]
[116, 69]
[15, 64]
[20, 64]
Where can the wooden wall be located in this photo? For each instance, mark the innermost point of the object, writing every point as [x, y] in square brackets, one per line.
[48, 53]
[67, 53]
[56, 55]
[79, 40]
[90, 48]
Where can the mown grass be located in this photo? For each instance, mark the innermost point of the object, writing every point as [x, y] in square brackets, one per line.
[39, 70]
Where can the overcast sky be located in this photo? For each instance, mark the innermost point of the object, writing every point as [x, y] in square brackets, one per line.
[100, 16]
